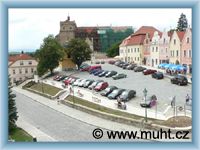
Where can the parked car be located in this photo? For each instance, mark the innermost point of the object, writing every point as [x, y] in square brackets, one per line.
[149, 71]
[119, 76]
[110, 74]
[94, 67]
[68, 80]
[88, 83]
[139, 69]
[125, 65]
[101, 86]
[92, 86]
[117, 62]
[94, 70]
[127, 95]
[108, 90]
[77, 82]
[131, 66]
[115, 93]
[73, 80]
[102, 62]
[103, 73]
[84, 67]
[56, 77]
[98, 72]
[180, 80]
[150, 102]
[111, 62]
[158, 75]
[82, 82]
[62, 77]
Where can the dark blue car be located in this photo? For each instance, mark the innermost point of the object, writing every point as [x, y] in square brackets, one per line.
[94, 70]
[98, 72]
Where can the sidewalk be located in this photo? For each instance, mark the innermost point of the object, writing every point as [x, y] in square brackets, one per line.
[33, 131]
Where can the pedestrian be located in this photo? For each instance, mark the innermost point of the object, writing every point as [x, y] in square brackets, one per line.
[187, 98]
[58, 100]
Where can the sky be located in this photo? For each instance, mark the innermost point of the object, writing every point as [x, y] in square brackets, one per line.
[28, 27]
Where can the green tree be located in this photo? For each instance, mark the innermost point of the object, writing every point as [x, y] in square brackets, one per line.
[182, 23]
[12, 109]
[78, 50]
[113, 50]
[49, 55]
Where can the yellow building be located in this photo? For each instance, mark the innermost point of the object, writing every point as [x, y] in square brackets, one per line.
[67, 64]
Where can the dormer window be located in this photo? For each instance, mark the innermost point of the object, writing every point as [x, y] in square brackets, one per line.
[188, 40]
[164, 41]
[21, 63]
[30, 62]
[174, 42]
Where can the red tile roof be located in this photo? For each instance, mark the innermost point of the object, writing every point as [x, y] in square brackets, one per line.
[20, 57]
[147, 29]
[138, 37]
[180, 34]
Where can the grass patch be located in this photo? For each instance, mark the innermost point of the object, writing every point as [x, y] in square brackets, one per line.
[19, 135]
[45, 88]
[101, 108]
[181, 121]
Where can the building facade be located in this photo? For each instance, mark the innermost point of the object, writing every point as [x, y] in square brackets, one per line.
[186, 50]
[21, 67]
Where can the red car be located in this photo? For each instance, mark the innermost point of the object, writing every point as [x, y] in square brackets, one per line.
[68, 81]
[111, 62]
[101, 86]
[149, 71]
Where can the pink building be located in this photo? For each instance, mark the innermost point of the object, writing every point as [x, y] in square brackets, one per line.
[186, 50]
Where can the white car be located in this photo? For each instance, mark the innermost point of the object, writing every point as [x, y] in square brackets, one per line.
[82, 82]
[77, 82]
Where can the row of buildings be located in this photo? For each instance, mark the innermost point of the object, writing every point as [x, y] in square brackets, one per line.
[151, 47]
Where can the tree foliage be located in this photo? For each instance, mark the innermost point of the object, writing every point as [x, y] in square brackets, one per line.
[49, 55]
[182, 23]
[78, 50]
[12, 109]
[113, 50]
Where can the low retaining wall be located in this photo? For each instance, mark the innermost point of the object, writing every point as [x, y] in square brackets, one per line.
[129, 121]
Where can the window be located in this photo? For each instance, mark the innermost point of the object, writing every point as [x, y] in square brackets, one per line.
[128, 59]
[32, 70]
[138, 58]
[138, 50]
[190, 53]
[164, 41]
[131, 50]
[174, 41]
[21, 63]
[13, 71]
[152, 49]
[20, 71]
[166, 50]
[188, 40]
[26, 70]
[177, 53]
[30, 62]
[128, 50]
[156, 61]
[156, 49]
[184, 53]
[135, 50]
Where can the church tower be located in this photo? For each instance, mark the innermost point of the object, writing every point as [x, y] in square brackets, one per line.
[67, 31]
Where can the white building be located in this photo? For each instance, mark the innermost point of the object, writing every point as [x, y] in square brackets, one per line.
[21, 67]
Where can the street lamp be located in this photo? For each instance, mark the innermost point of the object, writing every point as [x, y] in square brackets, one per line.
[73, 94]
[145, 95]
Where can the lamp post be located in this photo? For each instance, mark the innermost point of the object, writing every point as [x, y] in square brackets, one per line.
[145, 95]
[73, 94]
